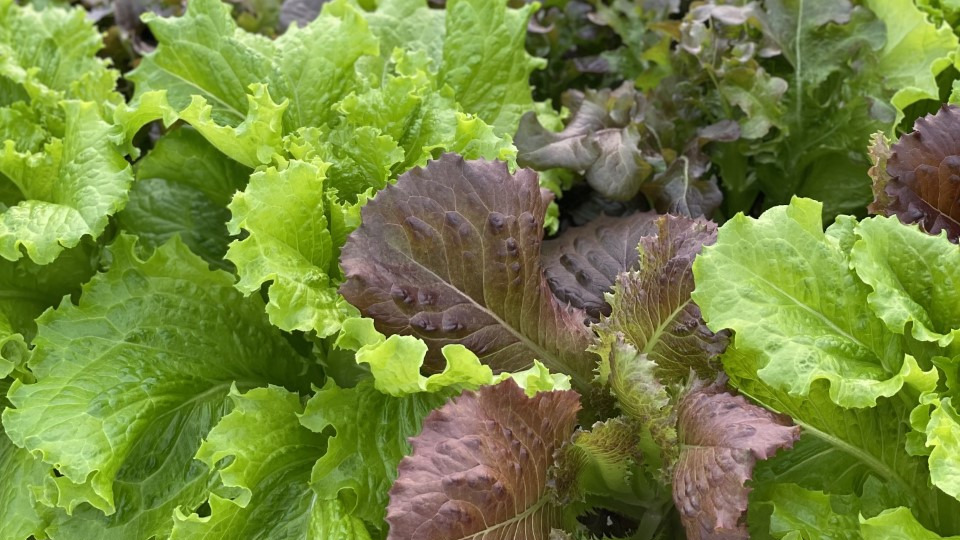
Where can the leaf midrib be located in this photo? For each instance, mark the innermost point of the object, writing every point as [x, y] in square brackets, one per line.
[558, 363]
[515, 519]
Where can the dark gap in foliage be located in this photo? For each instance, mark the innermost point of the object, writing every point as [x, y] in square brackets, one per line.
[605, 523]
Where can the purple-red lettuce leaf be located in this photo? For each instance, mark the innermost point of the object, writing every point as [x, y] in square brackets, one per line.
[451, 254]
[582, 263]
[600, 141]
[722, 436]
[685, 187]
[652, 308]
[624, 148]
[479, 468]
[920, 182]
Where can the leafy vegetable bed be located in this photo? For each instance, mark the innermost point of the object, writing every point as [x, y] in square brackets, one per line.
[364, 269]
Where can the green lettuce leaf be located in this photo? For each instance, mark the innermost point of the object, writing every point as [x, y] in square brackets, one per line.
[69, 188]
[266, 487]
[785, 287]
[897, 523]
[183, 187]
[20, 513]
[489, 76]
[296, 255]
[806, 513]
[915, 52]
[27, 289]
[61, 171]
[134, 375]
[913, 276]
[50, 55]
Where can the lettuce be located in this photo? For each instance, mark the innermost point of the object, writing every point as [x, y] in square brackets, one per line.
[451, 254]
[330, 101]
[479, 467]
[913, 179]
[287, 278]
[61, 171]
[850, 332]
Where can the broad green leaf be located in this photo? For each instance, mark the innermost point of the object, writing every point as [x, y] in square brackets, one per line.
[915, 52]
[786, 289]
[897, 523]
[204, 54]
[845, 451]
[183, 187]
[69, 188]
[316, 63]
[50, 55]
[409, 24]
[289, 245]
[134, 375]
[19, 513]
[27, 289]
[942, 430]
[483, 458]
[490, 75]
[914, 277]
[266, 487]
[811, 514]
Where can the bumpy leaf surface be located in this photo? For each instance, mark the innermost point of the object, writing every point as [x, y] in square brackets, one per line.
[924, 170]
[914, 276]
[451, 254]
[295, 254]
[135, 376]
[62, 172]
[723, 436]
[652, 308]
[270, 475]
[479, 467]
[786, 288]
[582, 263]
[69, 188]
